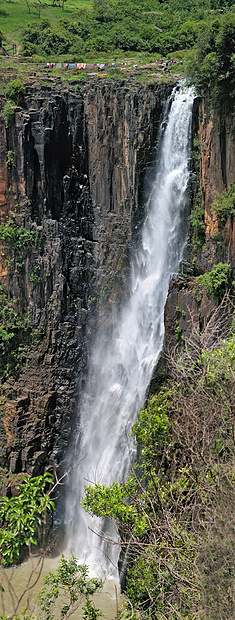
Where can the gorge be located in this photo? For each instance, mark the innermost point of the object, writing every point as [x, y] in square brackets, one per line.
[63, 143]
[84, 167]
[125, 357]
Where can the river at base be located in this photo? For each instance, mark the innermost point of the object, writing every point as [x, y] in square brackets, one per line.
[107, 600]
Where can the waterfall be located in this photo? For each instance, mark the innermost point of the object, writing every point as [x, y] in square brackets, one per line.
[122, 364]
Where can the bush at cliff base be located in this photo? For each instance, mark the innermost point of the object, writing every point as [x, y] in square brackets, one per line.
[175, 513]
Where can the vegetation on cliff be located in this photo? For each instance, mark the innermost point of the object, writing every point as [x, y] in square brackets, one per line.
[217, 281]
[15, 336]
[16, 330]
[175, 513]
[224, 206]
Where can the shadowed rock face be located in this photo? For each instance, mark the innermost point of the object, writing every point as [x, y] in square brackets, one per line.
[80, 160]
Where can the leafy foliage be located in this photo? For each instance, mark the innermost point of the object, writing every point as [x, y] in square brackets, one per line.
[151, 430]
[15, 236]
[10, 160]
[20, 517]
[220, 362]
[15, 335]
[112, 502]
[182, 488]
[87, 27]
[224, 205]
[8, 112]
[217, 281]
[143, 26]
[212, 62]
[15, 91]
[22, 521]
[70, 584]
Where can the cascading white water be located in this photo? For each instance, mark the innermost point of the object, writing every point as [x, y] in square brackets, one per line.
[122, 365]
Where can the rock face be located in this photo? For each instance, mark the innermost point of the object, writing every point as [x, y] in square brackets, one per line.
[217, 163]
[76, 182]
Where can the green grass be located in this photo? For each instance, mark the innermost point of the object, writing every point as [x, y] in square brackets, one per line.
[17, 17]
[123, 25]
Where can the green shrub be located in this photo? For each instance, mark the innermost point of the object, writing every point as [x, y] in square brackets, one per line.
[211, 64]
[20, 517]
[16, 237]
[8, 113]
[182, 489]
[29, 49]
[48, 38]
[152, 423]
[16, 333]
[224, 205]
[140, 26]
[71, 585]
[217, 281]
[15, 336]
[23, 519]
[15, 91]
[10, 159]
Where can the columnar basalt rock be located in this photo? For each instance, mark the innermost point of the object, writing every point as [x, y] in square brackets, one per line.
[79, 161]
[218, 158]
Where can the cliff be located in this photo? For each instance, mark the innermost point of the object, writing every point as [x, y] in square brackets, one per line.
[72, 167]
[216, 172]
[218, 158]
[73, 175]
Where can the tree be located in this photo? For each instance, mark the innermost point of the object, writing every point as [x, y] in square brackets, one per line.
[71, 585]
[102, 10]
[224, 205]
[65, 590]
[28, 5]
[23, 522]
[39, 5]
[211, 65]
[20, 517]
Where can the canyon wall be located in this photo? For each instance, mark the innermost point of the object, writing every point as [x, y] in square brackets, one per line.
[75, 183]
